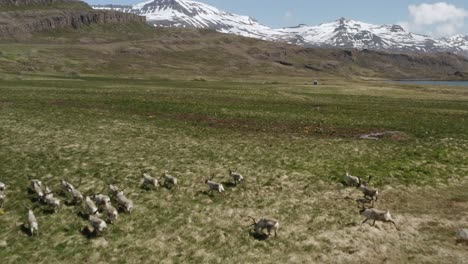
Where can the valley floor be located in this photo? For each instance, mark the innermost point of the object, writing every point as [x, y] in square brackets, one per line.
[292, 141]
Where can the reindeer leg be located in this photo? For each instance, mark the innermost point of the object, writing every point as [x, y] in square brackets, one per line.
[373, 224]
[364, 221]
[395, 225]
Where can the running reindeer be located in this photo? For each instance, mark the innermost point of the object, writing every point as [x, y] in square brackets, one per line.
[264, 223]
[214, 186]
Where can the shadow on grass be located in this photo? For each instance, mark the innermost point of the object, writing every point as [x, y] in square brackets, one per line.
[26, 230]
[70, 203]
[83, 215]
[229, 184]
[48, 210]
[88, 232]
[258, 236]
[210, 193]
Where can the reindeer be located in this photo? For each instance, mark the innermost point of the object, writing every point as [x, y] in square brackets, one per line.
[123, 202]
[32, 223]
[350, 180]
[49, 199]
[66, 186]
[236, 177]
[97, 224]
[111, 212]
[214, 186]
[36, 186]
[101, 199]
[149, 182]
[47, 193]
[169, 180]
[2, 199]
[113, 190]
[76, 195]
[2, 195]
[372, 194]
[90, 207]
[377, 215]
[268, 224]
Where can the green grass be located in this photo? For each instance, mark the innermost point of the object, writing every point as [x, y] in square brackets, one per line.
[291, 141]
[57, 5]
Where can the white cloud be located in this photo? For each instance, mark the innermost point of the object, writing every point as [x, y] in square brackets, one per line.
[438, 19]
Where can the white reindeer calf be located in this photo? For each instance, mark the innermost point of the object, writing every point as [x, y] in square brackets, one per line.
[377, 215]
[149, 182]
[2, 187]
[236, 177]
[123, 202]
[262, 224]
[32, 223]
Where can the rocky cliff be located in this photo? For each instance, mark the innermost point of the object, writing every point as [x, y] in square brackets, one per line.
[44, 15]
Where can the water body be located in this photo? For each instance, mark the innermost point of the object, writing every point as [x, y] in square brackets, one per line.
[440, 83]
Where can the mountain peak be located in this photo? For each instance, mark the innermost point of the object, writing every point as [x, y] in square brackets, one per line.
[342, 20]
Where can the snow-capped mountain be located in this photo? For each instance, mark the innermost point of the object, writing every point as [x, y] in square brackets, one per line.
[354, 34]
[341, 33]
[186, 13]
[459, 41]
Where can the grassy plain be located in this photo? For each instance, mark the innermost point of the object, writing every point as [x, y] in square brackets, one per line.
[292, 142]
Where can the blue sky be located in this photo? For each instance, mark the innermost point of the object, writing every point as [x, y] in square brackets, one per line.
[437, 18]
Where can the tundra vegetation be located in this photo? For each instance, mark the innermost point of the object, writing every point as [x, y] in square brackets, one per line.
[112, 113]
[294, 143]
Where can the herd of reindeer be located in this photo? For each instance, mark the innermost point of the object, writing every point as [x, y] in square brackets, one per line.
[99, 210]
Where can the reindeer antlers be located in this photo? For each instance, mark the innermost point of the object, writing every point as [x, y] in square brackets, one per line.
[253, 219]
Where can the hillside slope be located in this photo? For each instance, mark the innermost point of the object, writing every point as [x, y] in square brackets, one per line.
[21, 19]
[185, 52]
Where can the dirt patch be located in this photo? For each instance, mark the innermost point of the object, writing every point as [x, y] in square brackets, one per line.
[291, 128]
[57, 102]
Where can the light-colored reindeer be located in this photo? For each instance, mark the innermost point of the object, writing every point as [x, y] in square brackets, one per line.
[214, 186]
[32, 223]
[264, 223]
[377, 215]
[149, 182]
[236, 176]
[169, 180]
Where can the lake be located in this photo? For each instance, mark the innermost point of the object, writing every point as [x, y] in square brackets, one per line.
[441, 83]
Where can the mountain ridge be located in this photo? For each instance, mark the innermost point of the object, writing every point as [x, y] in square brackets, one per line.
[342, 33]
